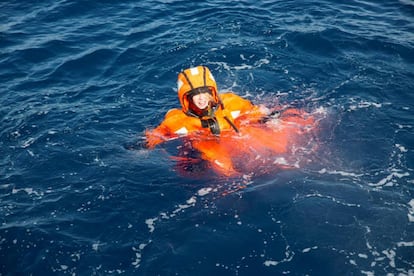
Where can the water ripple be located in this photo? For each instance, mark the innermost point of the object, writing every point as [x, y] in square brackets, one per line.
[81, 81]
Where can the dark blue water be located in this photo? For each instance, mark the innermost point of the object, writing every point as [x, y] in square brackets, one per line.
[80, 81]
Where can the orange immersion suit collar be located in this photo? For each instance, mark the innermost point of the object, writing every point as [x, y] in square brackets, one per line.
[191, 80]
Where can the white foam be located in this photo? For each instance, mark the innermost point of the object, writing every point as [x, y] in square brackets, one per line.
[401, 148]
[204, 191]
[411, 211]
[390, 179]
[320, 110]
[51, 132]
[333, 199]
[306, 250]
[29, 191]
[352, 262]
[365, 104]
[368, 273]
[289, 256]
[400, 126]
[28, 142]
[243, 67]
[405, 244]
[343, 173]
[391, 256]
[270, 263]
[95, 246]
[180, 208]
[190, 202]
[150, 224]
[281, 161]
[138, 254]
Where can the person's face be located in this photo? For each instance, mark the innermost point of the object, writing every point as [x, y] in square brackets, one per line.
[201, 100]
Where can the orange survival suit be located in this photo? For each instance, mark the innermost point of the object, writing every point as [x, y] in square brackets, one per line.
[215, 131]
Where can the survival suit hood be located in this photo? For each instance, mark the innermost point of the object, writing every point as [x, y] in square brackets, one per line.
[193, 81]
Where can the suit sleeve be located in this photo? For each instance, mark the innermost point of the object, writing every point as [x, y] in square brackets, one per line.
[248, 111]
[164, 131]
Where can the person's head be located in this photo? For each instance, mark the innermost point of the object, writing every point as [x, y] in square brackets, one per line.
[197, 90]
[200, 97]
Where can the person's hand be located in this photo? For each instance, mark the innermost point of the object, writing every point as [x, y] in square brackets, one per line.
[264, 110]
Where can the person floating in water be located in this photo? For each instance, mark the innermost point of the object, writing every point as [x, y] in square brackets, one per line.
[222, 127]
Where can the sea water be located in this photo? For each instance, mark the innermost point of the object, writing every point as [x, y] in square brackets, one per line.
[81, 81]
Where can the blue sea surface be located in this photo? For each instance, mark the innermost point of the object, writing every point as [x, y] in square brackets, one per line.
[81, 81]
